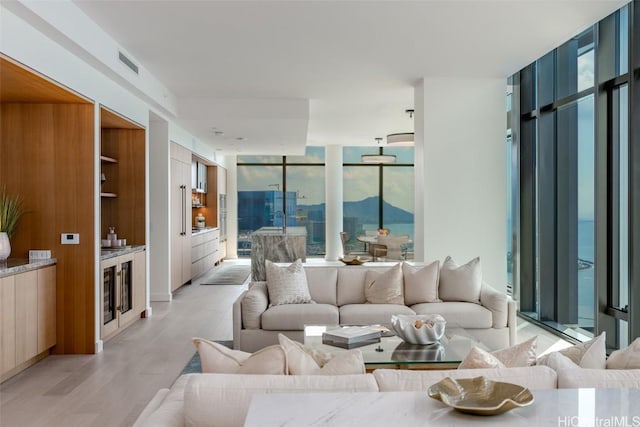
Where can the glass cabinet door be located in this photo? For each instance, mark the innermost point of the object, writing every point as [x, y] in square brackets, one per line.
[126, 287]
[109, 294]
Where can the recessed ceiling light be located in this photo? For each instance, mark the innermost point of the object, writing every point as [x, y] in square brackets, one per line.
[241, 138]
[218, 132]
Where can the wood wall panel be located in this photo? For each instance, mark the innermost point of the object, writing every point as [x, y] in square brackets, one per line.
[47, 155]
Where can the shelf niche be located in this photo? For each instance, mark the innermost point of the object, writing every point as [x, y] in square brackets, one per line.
[122, 161]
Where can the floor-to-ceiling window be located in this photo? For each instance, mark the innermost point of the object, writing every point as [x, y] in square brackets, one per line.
[274, 191]
[574, 184]
[378, 195]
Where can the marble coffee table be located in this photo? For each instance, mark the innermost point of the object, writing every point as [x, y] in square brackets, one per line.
[393, 353]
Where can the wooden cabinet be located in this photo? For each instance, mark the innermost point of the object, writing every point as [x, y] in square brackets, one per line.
[180, 200]
[27, 318]
[122, 288]
[205, 251]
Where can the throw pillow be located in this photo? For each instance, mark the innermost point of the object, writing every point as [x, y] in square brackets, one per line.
[384, 288]
[421, 283]
[216, 358]
[628, 358]
[305, 361]
[287, 285]
[460, 282]
[590, 354]
[558, 362]
[517, 356]
[479, 358]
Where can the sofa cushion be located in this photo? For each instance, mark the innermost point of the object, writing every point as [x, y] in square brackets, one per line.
[460, 282]
[479, 358]
[462, 314]
[517, 356]
[216, 358]
[384, 287]
[371, 314]
[322, 282]
[533, 377]
[287, 285]
[421, 283]
[351, 285]
[254, 303]
[224, 399]
[626, 358]
[599, 378]
[307, 361]
[293, 317]
[590, 354]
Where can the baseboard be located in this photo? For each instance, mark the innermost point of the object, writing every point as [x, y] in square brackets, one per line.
[161, 297]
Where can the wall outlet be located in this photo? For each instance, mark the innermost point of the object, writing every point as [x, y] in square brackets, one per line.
[70, 239]
[36, 255]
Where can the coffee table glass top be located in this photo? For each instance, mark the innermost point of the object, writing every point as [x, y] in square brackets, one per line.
[392, 350]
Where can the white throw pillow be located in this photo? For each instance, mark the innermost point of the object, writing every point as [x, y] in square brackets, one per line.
[590, 354]
[460, 283]
[479, 358]
[384, 288]
[306, 361]
[517, 356]
[627, 358]
[558, 362]
[421, 283]
[287, 285]
[216, 358]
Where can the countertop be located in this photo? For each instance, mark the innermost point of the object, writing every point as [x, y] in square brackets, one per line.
[195, 231]
[277, 231]
[112, 253]
[22, 265]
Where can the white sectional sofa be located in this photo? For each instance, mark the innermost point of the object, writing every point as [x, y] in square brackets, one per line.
[339, 297]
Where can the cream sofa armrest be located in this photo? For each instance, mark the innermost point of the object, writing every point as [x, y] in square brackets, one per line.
[237, 320]
[151, 407]
[497, 303]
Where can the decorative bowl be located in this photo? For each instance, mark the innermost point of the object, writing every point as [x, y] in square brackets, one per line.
[480, 396]
[419, 329]
[351, 260]
[412, 352]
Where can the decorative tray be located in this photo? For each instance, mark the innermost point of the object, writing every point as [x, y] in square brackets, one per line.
[480, 396]
[354, 260]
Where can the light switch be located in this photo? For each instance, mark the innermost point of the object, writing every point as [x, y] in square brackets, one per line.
[70, 239]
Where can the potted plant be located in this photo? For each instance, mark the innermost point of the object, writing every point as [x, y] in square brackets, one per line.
[11, 209]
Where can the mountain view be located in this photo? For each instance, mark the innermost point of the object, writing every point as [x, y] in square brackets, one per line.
[366, 211]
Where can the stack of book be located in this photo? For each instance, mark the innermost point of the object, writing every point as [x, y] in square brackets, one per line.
[351, 336]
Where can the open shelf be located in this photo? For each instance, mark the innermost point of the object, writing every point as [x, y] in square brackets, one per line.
[106, 159]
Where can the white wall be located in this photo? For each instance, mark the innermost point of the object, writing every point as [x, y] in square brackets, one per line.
[464, 187]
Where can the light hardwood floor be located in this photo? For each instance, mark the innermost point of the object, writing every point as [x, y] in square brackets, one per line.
[112, 388]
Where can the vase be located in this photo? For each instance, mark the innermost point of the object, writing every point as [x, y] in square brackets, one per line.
[5, 247]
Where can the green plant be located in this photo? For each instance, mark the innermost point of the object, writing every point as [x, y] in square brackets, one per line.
[11, 209]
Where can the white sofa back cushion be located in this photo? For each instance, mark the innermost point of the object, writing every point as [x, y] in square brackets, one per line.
[460, 282]
[599, 378]
[223, 399]
[532, 377]
[322, 282]
[351, 284]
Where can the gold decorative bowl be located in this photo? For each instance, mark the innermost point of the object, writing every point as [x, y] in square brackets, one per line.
[480, 396]
[353, 260]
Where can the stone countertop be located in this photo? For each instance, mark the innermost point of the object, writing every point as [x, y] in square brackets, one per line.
[195, 231]
[22, 265]
[277, 231]
[112, 253]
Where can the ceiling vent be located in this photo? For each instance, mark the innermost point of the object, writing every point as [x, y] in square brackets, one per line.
[129, 63]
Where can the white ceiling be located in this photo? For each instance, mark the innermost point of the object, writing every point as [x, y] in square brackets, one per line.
[283, 74]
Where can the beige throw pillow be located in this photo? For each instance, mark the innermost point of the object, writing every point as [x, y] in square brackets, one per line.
[287, 285]
[517, 356]
[590, 354]
[305, 361]
[216, 358]
[421, 283]
[460, 283]
[384, 288]
[479, 358]
[627, 358]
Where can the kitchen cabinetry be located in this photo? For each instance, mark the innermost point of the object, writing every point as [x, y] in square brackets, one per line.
[122, 286]
[180, 200]
[205, 251]
[27, 318]
[199, 177]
